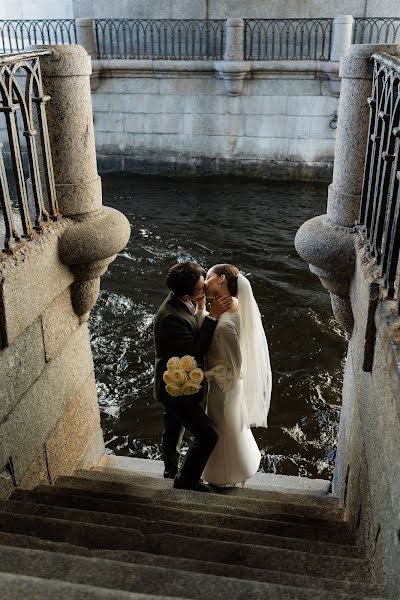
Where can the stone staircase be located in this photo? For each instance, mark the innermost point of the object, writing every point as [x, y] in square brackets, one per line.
[119, 531]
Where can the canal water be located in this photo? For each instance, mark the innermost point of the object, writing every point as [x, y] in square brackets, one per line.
[252, 225]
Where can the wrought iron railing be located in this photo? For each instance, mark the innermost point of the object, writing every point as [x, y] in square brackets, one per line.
[183, 39]
[376, 30]
[15, 35]
[380, 206]
[287, 39]
[27, 190]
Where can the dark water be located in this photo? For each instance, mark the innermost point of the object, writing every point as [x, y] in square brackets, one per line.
[251, 224]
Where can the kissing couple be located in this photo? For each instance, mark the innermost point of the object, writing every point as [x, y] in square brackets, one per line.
[229, 343]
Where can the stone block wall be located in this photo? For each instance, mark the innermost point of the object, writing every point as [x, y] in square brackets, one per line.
[367, 469]
[199, 9]
[223, 9]
[49, 415]
[165, 120]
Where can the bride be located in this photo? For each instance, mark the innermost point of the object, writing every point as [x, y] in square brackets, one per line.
[239, 375]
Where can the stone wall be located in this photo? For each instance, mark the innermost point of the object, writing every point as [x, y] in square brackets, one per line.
[223, 9]
[49, 416]
[199, 9]
[36, 9]
[367, 470]
[177, 118]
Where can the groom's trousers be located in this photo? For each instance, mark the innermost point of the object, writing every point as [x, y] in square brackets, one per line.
[185, 412]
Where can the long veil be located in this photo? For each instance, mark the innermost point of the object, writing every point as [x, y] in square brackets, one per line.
[256, 367]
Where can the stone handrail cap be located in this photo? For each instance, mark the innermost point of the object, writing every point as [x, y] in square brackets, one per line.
[343, 19]
[356, 63]
[84, 22]
[235, 22]
[64, 60]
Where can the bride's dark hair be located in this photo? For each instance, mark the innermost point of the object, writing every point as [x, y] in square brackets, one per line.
[231, 273]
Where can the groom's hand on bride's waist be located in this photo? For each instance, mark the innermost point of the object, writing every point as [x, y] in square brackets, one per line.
[220, 305]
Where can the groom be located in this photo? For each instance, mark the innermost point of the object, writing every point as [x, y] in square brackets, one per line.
[178, 330]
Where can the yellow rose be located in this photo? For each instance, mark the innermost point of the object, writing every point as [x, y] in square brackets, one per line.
[173, 363]
[187, 363]
[189, 387]
[178, 376]
[173, 390]
[167, 377]
[196, 375]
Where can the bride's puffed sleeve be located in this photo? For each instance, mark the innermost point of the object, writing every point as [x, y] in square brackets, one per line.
[227, 372]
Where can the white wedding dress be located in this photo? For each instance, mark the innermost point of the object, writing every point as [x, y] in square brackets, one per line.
[239, 376]
[236, 456]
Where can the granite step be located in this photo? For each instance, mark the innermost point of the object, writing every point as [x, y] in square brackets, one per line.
[156, 581]
[255, 489]
[329, 504]
[249, 555]
[16, 587]
[256, 507]
[193, 530]
[197, 566]
[91, 500]
[288, 484]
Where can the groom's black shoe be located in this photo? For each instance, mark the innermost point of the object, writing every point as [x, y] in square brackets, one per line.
[169, 474]
[181, 484]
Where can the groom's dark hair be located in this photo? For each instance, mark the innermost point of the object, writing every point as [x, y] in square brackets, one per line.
[183, 276]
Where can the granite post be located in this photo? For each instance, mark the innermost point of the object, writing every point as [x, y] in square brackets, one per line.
[342, 35]
[326, 242]
[97, 232]
[233, 69]
[85, 36]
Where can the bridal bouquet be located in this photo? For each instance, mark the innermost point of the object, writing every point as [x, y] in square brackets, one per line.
[183, 377]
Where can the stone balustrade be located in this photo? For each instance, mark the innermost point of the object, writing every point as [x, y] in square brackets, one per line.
[49, 416]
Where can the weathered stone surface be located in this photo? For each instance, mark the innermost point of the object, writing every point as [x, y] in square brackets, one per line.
[37, 473]
[59, 321]
[94, 450]
[35, 273]
[342, 311]
[123, 504]
[167, 116]
[326, 246]
[315, 489]
[258, 505]
[145, 578]
[341, 36]
[149, 526]
[67, 442]
[6, 484]
[66, 80]
[29, 424]
[20, 364]
[191, 565]
[15, 587]
[84, 295]
[95, 238]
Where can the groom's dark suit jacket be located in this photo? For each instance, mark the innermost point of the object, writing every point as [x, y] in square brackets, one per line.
[176, 333]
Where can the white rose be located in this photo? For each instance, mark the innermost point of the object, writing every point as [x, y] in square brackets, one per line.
[196, 375]
[173, 363]
[173, 390]
[178, 376]
[167, 377]
[187, 363]
[189, 387]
